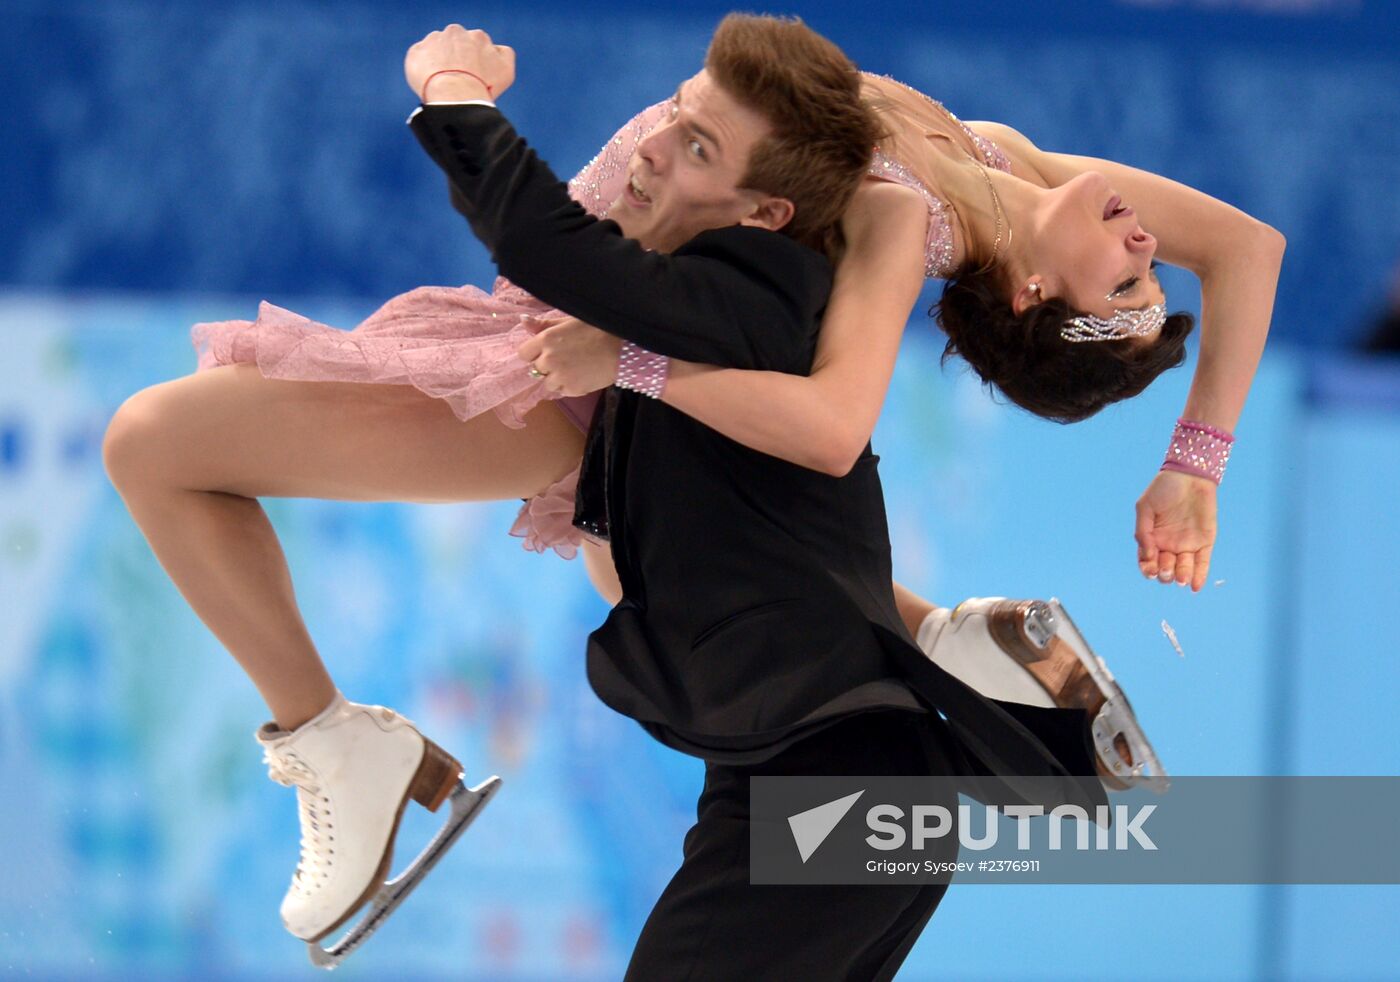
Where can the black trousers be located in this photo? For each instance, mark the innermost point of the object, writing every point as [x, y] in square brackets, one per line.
[712, 925]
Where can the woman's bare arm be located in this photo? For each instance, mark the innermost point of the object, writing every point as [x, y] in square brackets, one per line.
[1237, 259]
[824, 421]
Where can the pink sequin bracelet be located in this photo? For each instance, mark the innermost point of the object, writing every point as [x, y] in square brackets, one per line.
[641, 370]
[1198, 449]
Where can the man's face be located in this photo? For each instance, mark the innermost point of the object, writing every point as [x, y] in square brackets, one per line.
[683, 177]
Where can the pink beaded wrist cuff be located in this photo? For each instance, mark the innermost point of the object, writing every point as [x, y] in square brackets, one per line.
[1198, 449]
[641, 370]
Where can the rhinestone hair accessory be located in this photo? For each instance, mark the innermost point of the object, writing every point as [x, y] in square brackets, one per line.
[1132, 323]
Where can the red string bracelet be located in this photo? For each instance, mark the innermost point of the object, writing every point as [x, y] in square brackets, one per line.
[453, 71]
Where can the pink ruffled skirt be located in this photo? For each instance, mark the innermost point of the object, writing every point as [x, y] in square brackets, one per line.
[457, 344]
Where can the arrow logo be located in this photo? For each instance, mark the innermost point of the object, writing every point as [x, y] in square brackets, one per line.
[810, 828]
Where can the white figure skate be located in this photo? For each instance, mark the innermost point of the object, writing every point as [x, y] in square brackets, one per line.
[1029, 651]
[355, 767]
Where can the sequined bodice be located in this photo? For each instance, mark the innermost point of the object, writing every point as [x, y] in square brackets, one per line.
[938, 247]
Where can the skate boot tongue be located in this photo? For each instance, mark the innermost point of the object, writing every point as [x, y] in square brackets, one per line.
[290, 771]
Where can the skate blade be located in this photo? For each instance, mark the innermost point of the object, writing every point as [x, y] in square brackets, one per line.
[466, 804]
[1117, 715]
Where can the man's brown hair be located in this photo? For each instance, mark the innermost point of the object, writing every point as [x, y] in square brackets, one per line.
[823, 133]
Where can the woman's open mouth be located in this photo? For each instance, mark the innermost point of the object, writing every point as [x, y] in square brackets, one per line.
[1115, 208]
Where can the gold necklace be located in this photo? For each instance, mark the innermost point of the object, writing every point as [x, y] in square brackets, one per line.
[1000, 214]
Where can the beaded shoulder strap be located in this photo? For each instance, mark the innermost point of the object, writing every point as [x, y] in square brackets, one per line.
[600, 181]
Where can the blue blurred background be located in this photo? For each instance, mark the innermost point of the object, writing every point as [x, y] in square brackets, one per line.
[175, 162]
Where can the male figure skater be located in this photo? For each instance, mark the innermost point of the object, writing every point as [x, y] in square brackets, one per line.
[758, 627]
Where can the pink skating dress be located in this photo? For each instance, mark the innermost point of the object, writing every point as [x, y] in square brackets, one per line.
[459, 343]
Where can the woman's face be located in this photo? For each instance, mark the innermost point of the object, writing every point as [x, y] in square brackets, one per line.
[1089, 249]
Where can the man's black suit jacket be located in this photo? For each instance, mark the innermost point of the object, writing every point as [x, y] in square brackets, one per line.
[757, 602]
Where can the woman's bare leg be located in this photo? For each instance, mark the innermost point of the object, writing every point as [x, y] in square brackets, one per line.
[191, 456]
[602, 572]
[913, 609]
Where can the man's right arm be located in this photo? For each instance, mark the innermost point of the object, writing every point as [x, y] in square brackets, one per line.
[737, 297]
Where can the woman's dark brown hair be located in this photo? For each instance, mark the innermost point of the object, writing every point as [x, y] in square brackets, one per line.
[1041, 372]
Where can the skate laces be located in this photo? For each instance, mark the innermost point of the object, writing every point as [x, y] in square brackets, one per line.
[290, 771]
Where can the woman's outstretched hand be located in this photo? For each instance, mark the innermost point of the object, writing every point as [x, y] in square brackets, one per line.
[575, 358]
[1176, 528]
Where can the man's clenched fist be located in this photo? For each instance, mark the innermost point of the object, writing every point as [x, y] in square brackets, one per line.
[455, 47]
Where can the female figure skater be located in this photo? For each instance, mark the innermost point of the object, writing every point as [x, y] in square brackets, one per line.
[1018, 309]
[1042, 256]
